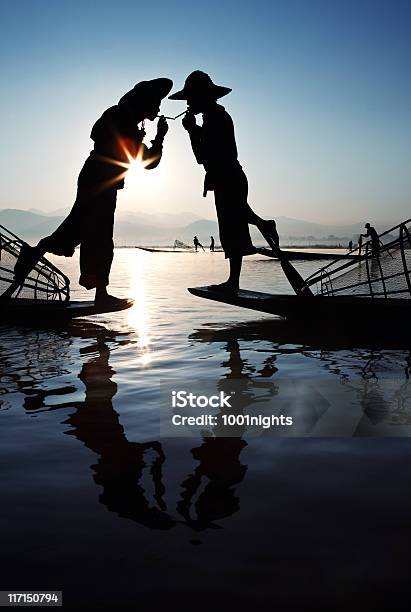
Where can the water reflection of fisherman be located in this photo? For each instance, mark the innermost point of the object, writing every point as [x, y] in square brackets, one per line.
[219, 462]
[219, 465]
[214, 147]
[117, 142]
[121, 464]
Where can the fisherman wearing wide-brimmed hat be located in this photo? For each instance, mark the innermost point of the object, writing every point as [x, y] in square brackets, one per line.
[117, 142]
[214, 147]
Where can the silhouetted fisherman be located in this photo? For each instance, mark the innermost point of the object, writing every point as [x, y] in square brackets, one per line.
[212, 243]
[375, 240]
[214, 147]
[350, 245]
[117, 142]
[197, 244]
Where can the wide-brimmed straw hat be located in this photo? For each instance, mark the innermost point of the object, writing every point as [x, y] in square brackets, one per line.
[154, 90]
[199, 83]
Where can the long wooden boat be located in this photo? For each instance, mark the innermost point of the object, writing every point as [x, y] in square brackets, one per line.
[306, 255]
[303, 255]
[38, 312]
[313, 308]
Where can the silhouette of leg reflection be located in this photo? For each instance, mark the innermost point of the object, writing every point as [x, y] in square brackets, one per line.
[219, 463]
[219, 454]
[121, 464]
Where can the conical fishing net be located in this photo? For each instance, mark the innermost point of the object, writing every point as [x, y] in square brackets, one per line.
[181, 245]
[44, 282]
[382, 272]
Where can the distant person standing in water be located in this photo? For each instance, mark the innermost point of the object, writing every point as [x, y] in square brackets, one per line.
[117, 142]
[214, 147]
[212, 244]
[197, 244]
[373, 235]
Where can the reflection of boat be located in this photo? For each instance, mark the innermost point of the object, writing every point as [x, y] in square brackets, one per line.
[373, 286]
[44, 294]
[295, 335]
[358, 400]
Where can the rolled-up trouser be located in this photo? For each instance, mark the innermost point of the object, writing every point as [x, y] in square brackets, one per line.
[89, 224]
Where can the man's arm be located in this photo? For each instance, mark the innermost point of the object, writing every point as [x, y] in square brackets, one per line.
[153, 154]
[194, 131]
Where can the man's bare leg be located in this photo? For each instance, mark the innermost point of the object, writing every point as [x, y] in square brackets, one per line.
[231, 285]
[267, 227]
[26, 261]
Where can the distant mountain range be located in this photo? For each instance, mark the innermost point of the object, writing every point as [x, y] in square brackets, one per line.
[163, 228]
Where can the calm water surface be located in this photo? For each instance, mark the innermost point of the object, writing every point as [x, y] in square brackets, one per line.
[95, 503]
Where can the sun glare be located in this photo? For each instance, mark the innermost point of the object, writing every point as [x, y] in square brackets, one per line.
[138, 315]
[135, 170]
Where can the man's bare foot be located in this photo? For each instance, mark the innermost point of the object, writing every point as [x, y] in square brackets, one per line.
[107, 300]
[227, 287]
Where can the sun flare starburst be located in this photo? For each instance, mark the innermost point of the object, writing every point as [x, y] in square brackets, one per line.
[134, 166]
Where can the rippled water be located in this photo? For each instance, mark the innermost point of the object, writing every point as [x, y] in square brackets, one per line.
[96, 503]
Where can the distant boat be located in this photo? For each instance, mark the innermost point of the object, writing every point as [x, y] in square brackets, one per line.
[172, 249]
[306, 255]
[293, 255]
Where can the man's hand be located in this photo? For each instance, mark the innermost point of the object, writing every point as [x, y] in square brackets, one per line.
[189, 121]
[162, 127]
[140, 134]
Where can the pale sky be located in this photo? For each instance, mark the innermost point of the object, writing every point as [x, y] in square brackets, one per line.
[321, 100]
